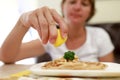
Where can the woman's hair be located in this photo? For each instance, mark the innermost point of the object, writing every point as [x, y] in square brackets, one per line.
[92, 2]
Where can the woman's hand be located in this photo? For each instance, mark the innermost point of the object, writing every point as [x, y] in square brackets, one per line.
[44, 20]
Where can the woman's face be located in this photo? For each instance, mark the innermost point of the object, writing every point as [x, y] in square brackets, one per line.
[76, 11]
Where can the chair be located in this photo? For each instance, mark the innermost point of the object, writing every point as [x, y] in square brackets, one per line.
[114, 31]
[43, 58]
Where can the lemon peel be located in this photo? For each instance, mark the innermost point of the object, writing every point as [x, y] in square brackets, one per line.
[22, 73]
[59, 41]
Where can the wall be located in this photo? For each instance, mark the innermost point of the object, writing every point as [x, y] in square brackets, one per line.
[9, 14]
[8, 17]
[55, 4]
[106, 10]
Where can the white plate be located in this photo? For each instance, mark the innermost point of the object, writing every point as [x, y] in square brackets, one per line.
[113, 70]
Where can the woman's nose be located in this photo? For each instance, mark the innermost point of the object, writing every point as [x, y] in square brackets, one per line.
[78, 6]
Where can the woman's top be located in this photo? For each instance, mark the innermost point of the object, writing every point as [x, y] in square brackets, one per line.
[97, 44]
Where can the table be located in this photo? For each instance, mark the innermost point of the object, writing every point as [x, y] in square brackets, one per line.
[7, 70]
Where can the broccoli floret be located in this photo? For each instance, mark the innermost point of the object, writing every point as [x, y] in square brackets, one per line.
[69, 55]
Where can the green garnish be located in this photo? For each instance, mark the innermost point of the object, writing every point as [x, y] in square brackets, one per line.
[69, 55]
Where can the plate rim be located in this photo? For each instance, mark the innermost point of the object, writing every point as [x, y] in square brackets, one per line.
[78, 73]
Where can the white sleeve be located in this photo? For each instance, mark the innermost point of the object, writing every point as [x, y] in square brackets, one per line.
[105, 44]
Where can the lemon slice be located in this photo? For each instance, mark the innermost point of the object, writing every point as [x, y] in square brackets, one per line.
[22, 73]
[59, 40]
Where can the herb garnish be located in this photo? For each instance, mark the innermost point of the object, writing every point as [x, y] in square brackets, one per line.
[69, 55]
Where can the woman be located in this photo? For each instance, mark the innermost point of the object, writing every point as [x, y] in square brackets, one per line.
[89, 44]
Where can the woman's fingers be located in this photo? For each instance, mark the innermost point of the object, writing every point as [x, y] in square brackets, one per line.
[48, 18]
[43, 28]
[51, 25]
[61, 23]
[33, 20]
[44, 20]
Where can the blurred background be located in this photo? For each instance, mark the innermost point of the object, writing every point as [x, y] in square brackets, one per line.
[107, 11]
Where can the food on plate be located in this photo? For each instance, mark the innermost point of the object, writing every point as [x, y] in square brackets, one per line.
[71, 62]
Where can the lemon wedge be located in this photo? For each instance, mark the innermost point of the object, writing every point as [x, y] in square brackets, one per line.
[59, 41]
[22, 73]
